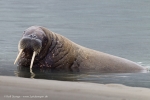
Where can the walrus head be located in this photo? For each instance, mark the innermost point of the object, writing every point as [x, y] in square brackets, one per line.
[30, 46]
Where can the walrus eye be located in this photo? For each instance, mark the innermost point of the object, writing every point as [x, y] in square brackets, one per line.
[32, 36]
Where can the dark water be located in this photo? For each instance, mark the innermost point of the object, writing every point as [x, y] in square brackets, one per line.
[118, 27]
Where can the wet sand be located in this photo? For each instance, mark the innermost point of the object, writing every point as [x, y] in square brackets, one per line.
[15, 88]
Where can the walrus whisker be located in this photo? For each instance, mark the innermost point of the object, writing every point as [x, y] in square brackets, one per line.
[33, 56]
[18, 56]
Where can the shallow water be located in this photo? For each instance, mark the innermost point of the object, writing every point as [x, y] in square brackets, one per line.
[117, 27]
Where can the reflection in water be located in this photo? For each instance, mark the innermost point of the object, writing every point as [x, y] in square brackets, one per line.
[129, 79]
[46, 73]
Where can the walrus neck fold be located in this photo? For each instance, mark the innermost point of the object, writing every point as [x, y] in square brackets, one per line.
[49, 38]
[59, 50]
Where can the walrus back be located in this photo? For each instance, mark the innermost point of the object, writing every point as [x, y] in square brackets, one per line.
[89, 59]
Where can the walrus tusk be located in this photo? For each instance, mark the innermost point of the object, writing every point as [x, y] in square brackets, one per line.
[34, 54]
[18, 56]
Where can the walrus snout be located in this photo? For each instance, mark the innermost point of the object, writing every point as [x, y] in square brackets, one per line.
[30, 43]
[29, 47]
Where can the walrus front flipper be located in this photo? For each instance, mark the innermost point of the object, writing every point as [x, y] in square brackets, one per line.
[18, 56]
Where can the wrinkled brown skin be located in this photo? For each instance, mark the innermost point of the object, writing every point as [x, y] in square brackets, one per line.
[62, 54]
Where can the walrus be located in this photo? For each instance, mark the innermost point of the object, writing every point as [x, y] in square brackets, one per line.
[41, 48]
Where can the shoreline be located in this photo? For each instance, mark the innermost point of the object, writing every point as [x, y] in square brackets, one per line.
[13, 88]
